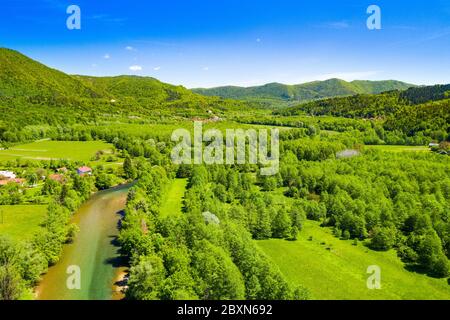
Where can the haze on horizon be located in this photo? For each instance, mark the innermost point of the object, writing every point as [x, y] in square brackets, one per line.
[204, 44]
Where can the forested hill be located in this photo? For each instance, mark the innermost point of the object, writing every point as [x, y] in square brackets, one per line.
[424, 110]
[21, 76]
[304, 92]
[137, 87]
[373, 105]
[32, 93]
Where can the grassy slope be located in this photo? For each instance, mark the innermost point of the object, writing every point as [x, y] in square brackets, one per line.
[20, 222]
[46, 150]
[173, 201]
[340, 273]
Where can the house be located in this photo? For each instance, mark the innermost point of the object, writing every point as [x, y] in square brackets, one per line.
[84, 171]
[57, 177]
[433, 144]
[18, 181]
[7, 175]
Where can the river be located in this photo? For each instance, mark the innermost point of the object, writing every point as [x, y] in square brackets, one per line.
[94, 251]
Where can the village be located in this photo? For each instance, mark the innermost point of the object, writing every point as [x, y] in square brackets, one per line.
[10, 177]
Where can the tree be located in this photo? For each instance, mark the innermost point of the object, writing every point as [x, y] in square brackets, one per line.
[281, 225]
[263, 226]
[346, 235]
[128, 168]
[294, 233]
[11, 285]
[219, 278]
[146, 278]
[269, 183]
[383, 238]
[440, 267]
[431, 255]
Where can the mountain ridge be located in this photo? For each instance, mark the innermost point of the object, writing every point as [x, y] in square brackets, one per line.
[304, 92]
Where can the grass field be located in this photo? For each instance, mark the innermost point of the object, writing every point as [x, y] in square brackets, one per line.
[48, 150]
[21, 222]
[166, 129]
[399, 148]
[173, 200]
[340, 271]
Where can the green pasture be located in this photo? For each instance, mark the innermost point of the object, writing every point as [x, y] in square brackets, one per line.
[337, 269]
[389, 148]
[173, 200]
[54, 150]
[21, 222]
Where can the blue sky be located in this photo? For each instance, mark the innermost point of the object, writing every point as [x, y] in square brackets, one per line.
[235, 42]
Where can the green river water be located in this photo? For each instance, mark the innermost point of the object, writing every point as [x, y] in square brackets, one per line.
[93, 251]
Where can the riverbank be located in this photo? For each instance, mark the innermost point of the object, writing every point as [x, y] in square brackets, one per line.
[94, 251]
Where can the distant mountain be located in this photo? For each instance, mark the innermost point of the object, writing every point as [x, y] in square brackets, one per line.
[304, 92]
[376, 105]
[417, 112]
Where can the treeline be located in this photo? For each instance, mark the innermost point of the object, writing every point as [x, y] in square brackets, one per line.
[396, 201]
[204, 253]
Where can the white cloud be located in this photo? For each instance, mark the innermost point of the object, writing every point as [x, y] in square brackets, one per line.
[205, 68]
[156, 68]
[130, 48]
[348, 76]
[106, 56]
[135, 68]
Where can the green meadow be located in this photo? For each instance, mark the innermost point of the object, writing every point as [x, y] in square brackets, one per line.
[21, 222]
[53, 150]
[389, 148]
[173, 200]
[336, 269]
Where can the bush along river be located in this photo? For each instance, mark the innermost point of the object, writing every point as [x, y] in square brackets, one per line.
[93, 254]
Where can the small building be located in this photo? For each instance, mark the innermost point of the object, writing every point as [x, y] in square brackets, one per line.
[433, 145]
[63, 170]
[82, 171]
[7, 175]
[57, 177]
[15, 180]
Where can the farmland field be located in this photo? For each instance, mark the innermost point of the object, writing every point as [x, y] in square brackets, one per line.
[53, 150]
[21, 222]
[335, 269]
